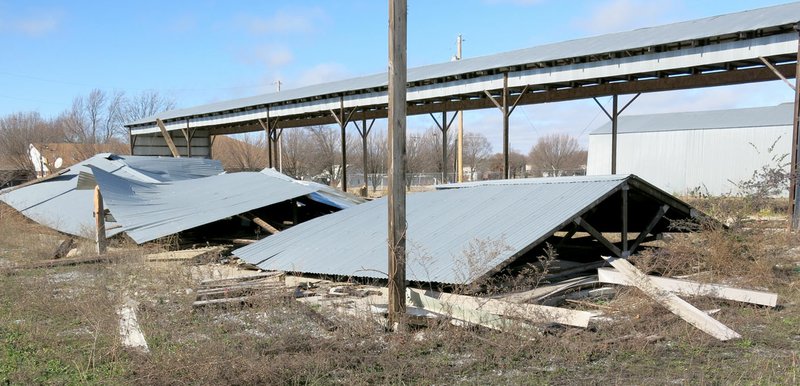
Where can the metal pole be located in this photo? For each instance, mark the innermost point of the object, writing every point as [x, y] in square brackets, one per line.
[614, 116]
[364, 134]
[506, 173]
[397, 162]
[444, 146]
[280, 139]
[794, 187]
[344, 158]
[460, 150]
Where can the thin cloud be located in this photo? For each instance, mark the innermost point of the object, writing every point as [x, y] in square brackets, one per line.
[286, 21]
[513, 2]
[322, 73]
[621, 15]
[40, 24]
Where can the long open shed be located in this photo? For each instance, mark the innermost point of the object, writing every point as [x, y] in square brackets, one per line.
[468, 232]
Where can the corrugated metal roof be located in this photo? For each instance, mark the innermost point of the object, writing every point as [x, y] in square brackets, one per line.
[445, 230]
[58, 204]
[616, 42]
[152, 210]
[527, 181]
[771, 116]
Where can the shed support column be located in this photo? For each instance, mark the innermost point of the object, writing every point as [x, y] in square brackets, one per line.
[397, 163]
[343, 118]
[363, 131]
[624, 234]
[267, 136]
[794, 187]
[444, 126]
[506, 110]
[614, 117]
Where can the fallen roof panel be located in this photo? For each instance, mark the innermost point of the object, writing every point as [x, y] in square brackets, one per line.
[455, 236]
[58, 204]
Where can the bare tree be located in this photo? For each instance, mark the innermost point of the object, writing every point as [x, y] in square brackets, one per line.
[477, 150]
[145, 105]
[245, 152]
[297, 148]
[18, 131]
[377, 158]
[95, 118]
[556, 153]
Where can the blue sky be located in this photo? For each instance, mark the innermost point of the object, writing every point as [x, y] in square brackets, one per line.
[204, 51]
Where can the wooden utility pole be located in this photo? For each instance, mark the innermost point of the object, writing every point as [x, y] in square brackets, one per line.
[460, 150]
[794, 187]
[397, 163]
[100, 221]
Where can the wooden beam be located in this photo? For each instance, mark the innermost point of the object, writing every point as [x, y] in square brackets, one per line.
[599, 236]
[692, 288]
[672, 302]
[263, 224]
[397, 227]
[479, 318]
[778, 73]
[653, 222]
[100, 221]
[168, 138]
[531, 312]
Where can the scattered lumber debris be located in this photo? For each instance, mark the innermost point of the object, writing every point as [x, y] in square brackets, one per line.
[65, 262]
[184, 255]
[63, 249]
[531, 312]
[239, 290]
[672, 302]
[129, 329]
[469, 315]
[691, 288]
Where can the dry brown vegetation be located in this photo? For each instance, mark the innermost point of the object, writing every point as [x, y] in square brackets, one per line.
[59, 326]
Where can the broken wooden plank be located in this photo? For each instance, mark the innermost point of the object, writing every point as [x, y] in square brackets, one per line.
[182, 255]
[481, 318]
[258, 221]
[64, 262]
[692, 288]
[272, 274]
[64, 248]
[531, 312]
[542, 292]
[129, 329]
[672, 302]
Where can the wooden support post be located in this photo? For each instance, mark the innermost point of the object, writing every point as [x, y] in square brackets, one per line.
[794, 187]
[614, 121]
[168, 139]
[624, 233]
[268, 138]
[672, 302]
[100, 221]
[506, 172]
[444, 126]
[343, 120]
[397, 163]
[258, 221]
[363, 131]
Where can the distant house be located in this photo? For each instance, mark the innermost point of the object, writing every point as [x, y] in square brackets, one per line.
[70, 153]
[704, 151]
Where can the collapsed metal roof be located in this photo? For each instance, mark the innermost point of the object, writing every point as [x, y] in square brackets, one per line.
[457, 235]
[770, 116]
[152, 210]
[59, 204]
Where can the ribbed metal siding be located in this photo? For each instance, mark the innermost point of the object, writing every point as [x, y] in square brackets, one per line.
[441, 226]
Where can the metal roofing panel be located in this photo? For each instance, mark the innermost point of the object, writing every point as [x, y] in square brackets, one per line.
[641, 38]
[772, 116]
[58, 204]
[152, 210]
[454, 235]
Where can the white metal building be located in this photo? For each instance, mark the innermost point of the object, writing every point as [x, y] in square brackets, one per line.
[707, 150]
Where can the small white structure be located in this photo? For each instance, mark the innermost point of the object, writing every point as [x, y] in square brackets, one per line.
[705, 151]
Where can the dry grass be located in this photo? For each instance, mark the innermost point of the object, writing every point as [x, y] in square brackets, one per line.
[58, 326]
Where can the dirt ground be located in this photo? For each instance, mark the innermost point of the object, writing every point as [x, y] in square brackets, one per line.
[60, 326]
